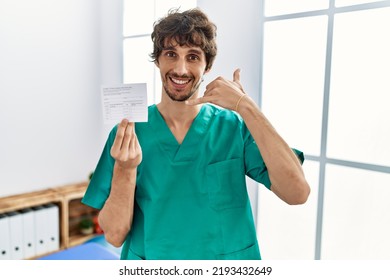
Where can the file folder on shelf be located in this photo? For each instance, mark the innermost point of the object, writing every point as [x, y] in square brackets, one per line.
[28, 233]
[40, 221]
[16, 235]
[5, 252]
[53, 227]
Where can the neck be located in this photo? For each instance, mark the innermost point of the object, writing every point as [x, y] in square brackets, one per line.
[177, 114]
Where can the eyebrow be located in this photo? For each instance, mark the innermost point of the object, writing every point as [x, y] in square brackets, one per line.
[191, 50]
[196, 51]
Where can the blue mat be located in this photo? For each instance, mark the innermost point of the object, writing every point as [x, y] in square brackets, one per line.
[99, 239]
[86, 251]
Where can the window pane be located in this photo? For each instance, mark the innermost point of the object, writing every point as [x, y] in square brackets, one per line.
[359, 113]
[356, 222]
[137, 65]
[138, 17]
[286, 231]
[279, 7]
[341, 3]
[293, 79]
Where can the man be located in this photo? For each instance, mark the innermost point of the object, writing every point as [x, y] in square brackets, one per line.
[174, 187]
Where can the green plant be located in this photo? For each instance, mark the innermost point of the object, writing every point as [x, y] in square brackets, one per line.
[86, 223]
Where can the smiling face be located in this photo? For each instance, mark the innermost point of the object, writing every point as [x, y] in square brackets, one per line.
[182, 69]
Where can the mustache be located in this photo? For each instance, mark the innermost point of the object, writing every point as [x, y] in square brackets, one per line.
[184, 76]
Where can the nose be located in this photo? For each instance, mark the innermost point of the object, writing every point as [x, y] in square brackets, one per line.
[180, 67]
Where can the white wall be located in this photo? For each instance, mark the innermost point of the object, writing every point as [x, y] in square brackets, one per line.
[238, 47]
[111, 50]
[51, 130]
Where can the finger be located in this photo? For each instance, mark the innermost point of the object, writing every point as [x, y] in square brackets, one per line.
[116, 146]
[134, 147]
[236, 75]
[198, 101]
[128, 136]
[133, 139]
[215, 83]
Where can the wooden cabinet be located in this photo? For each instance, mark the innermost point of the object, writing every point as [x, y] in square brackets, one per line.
[71, 210]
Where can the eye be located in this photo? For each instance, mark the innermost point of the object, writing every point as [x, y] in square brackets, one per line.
[193, 57]
[170, 54]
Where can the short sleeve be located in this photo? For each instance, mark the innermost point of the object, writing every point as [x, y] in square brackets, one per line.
[255, 166]
[99, 187]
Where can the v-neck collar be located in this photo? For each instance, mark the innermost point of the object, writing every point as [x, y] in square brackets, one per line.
[187, 150]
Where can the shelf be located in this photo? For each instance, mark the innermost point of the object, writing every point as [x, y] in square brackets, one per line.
[71, 210]
[16, 202]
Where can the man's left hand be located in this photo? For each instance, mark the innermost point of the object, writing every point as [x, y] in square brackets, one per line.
[222, 92]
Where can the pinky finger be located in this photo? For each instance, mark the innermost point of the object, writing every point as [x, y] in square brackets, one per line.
[198, 101]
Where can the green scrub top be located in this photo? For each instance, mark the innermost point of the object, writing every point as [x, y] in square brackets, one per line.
[191, 200]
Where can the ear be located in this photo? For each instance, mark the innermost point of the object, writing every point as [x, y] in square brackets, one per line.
[156, 63]
[207, 70]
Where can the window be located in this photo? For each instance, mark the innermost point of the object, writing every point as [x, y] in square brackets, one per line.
[138, 19]
[325, 67]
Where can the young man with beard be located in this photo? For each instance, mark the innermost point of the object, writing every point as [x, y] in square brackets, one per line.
[174, 187]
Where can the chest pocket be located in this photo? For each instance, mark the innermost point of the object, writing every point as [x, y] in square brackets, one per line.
[225, 183]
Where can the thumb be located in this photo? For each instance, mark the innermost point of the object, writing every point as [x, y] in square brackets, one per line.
[236, 75]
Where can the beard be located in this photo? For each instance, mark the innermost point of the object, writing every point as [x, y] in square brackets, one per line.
[179, 97]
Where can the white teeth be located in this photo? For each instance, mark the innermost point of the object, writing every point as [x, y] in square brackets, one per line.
[180, 82]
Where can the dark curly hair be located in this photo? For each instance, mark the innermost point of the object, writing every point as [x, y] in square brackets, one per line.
[189, 28]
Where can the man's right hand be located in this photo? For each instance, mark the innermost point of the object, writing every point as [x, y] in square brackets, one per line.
[126, 149]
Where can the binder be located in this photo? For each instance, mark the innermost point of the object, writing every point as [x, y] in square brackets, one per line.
[53, 225]
[16, 235]
[5, 252]
[28, 233]
[40, 221]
